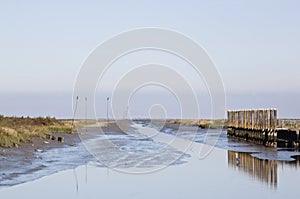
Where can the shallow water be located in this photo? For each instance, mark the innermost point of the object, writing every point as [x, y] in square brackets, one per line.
[46, 163]
[221, 174]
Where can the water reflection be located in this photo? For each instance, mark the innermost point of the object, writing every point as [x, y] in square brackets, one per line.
[265, 171]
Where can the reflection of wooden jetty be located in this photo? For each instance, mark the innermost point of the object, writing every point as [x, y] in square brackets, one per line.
[261, 126]
[263, 170]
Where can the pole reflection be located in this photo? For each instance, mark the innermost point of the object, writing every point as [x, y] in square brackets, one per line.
[262, 170]
[265, 171]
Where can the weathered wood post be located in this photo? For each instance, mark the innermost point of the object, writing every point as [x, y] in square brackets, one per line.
[258, 125]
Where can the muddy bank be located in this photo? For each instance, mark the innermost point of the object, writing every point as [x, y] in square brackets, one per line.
[44, 156]
[26, 158]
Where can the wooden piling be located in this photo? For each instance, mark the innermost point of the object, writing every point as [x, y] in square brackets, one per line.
[262, 119]
[257, 125]
[261, 126]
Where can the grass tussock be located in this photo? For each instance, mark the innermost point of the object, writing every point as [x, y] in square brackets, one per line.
[16, 130]
[222, 123]
[288, 123]
[203, 123]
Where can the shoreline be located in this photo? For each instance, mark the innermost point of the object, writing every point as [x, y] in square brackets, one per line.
[29, 158]
[19, 161]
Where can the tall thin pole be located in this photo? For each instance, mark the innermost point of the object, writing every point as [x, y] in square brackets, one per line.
[85, 114]
[75, 110]
[107, 101]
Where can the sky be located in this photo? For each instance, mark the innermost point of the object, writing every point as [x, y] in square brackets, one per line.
[255, 46]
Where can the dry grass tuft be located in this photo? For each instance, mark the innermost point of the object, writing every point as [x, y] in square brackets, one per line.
[15, 130]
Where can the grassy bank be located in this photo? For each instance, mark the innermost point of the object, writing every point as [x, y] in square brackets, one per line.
[289, 123]
[222, 123]
[15, 130]
[203, 123]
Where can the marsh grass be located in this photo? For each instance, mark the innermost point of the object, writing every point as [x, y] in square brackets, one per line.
[203, 123]
[16, 130]
[222, 123]
[288, 123]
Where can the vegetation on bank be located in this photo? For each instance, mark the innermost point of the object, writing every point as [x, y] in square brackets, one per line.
[16, 130]
[222, 123]
[203, 123]
[288, 123]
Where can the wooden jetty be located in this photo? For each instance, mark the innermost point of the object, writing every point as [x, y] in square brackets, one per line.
[261, 126]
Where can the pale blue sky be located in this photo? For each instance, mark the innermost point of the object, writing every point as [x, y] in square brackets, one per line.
[254, 44]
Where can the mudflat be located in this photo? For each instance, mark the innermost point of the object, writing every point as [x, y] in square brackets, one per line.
[31, 156]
